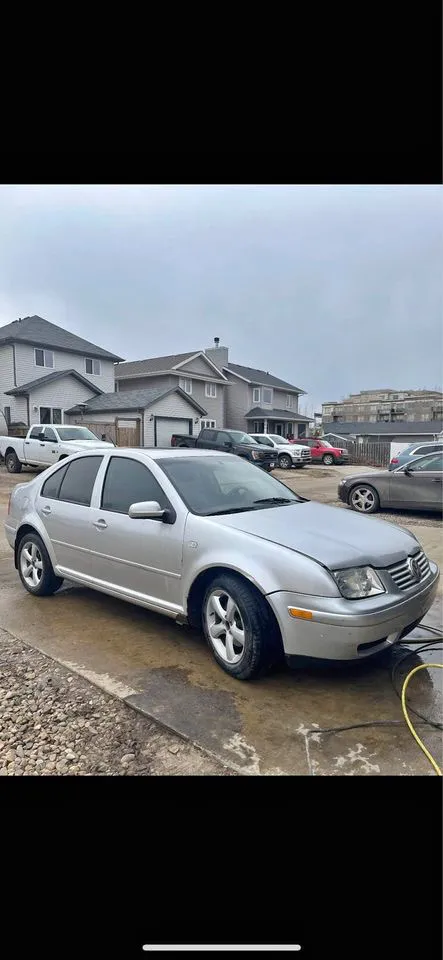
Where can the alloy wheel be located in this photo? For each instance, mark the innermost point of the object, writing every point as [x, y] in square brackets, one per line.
[225, 626]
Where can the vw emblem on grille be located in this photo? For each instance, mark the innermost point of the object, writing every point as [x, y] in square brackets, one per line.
[414, 569]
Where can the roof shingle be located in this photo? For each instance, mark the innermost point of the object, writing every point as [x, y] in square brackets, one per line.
[275, 414]
[132, 400]
[262, 377]
[42, 333]
[56, 375]
[139, 367]
[380, 427]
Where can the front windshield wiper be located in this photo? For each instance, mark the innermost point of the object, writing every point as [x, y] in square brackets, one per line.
[276, 500]
[218, 513]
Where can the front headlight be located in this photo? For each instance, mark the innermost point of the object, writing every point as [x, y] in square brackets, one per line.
[358, 582]
[256, 454]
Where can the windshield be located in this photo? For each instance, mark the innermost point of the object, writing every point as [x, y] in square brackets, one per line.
[275, 437]
[76, 433]
[213, 485]
[239, 437]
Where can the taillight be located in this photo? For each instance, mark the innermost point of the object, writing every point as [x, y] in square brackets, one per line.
[173, 441]
[394, 460]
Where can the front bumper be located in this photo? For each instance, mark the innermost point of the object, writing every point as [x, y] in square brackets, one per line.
[350, 629]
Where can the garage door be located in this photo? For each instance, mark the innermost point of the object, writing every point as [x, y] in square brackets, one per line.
[166, 426]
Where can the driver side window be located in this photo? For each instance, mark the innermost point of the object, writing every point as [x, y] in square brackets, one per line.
[433, 462]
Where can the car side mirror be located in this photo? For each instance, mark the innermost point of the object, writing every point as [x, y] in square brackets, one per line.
[407, 471]
[41, 435]
[146, 510]
[228, 444]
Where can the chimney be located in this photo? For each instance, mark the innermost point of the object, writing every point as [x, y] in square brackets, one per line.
[218, 354]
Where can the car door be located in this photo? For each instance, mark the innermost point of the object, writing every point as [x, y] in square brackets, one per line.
[48, 447]
[33, 446]
[63, 505]
[419, 485]
[138, 558]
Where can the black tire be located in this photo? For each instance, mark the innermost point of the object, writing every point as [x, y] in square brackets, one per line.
[328, 459]
[372, 498]
[285, 461]
[12, 462]
[262, 642]
[48, 582]
[182, 444]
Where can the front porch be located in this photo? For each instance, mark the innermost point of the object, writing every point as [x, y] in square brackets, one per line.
[276, 421]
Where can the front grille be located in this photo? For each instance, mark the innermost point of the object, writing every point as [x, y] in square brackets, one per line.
[403, 573]
[306, 454]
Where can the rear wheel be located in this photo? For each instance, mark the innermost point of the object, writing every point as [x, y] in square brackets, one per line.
[364, 499]
[328, 459]
[239, 627]
[12, 462]
[284, 461]
[35, 568]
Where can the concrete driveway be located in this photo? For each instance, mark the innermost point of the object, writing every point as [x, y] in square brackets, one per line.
[272, 726]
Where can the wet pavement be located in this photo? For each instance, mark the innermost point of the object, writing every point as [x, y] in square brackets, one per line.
[271, 726]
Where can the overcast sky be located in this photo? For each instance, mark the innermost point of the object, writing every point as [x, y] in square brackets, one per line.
[335, 289]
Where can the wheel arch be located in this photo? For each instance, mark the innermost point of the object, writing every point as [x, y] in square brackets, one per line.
[198, 586]
[26, 528]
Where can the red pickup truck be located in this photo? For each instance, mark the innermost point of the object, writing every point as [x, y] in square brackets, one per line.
[323, 451]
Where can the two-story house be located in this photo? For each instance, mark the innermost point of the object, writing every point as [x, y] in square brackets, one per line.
[45, 369]
[235, 396]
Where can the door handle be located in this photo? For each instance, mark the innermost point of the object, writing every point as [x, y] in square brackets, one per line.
[42, 444]
[46, 510]
[100, 524]
[436, 480]
[27, 441]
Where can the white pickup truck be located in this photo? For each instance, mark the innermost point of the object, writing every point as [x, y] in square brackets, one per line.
[44, 445]
[287, 454]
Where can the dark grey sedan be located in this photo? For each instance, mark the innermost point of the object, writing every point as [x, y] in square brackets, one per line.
[414, 486]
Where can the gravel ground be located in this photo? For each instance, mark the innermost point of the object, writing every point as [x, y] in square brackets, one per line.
[53, 722]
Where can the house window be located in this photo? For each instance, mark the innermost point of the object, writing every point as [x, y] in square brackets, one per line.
[43, 358]
[267, 395]
[210, 389]
[185, 384]
[7, 413]
[208, 424]
[259, 426]
[93, 366]
[256, 395]
[289, 401]
[51, 415]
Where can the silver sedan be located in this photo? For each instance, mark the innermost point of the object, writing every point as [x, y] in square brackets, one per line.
[209, 539]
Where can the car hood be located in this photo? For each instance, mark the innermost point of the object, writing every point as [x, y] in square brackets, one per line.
[367, 477]
[86, 444]
[334, 537]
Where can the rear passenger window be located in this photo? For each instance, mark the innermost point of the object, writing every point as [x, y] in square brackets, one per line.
[209, 435]
[129, 481]
[35, 433]
[78, 482]
[52, 486]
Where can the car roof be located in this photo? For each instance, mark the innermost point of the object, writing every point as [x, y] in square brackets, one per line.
[156, 453]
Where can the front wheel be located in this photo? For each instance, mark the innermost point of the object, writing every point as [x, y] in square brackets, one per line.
[12, 462]
[239, 627]
[364, 499]
[328, 459]
[35, 568]
[285, 461]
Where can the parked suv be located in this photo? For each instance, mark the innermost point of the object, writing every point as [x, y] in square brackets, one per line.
[413, 451]
[323, 451]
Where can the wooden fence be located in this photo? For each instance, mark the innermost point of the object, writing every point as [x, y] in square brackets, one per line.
[376, 454]
[122, 432]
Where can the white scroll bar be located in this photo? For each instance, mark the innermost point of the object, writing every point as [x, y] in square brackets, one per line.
[220, 946]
